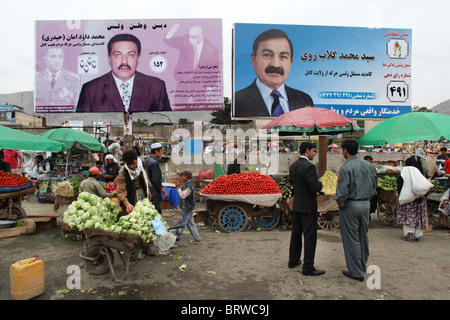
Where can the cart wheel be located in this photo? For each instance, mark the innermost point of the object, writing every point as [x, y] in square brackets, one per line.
[18, 212]
[387, 213]
[328, 220]
[287, 216]
[100, 263]
[232, 218]
[434, 218]
[268, 223]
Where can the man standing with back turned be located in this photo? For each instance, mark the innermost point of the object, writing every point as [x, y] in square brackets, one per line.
[357, 182]
[306, 186]
[155, 175]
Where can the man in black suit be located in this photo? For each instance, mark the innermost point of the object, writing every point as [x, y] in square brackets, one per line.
[124, 89]
[306, 183]
[268, 96]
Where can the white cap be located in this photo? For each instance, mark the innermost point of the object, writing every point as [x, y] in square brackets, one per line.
[156, 145]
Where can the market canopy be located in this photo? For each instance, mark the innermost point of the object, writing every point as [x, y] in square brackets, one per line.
[312, 121]
[409, 127]
[69, 137]
[20, 140]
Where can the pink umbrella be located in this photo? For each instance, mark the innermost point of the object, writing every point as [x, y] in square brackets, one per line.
[313, 121]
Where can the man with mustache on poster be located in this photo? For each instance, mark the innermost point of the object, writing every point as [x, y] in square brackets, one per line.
[124, 89]
[268, 96]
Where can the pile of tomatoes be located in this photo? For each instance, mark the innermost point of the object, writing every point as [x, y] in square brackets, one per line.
[8, 179]
[242, 183]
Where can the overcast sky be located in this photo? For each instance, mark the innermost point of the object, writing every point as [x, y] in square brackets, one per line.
[427, 19]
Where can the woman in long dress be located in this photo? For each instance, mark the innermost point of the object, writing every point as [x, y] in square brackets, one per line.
[413, 215]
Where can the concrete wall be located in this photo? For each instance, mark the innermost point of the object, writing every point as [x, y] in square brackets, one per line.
[196, 163]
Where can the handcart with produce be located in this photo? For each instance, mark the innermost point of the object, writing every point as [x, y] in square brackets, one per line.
[96, 221]
[387, 198]
[13, 188]
[327, 207]
[441, 185]
[232, 200]
[387, 195]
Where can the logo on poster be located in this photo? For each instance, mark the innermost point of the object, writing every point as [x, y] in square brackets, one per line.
[158, 64]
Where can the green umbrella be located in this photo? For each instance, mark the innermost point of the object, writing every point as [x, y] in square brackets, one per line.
[20, 140]
[408, 127]
[70, 137]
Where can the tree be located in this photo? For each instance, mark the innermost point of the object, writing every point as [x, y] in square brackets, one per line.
[420, 109]
[141, 123]
[224, 116]
[184, 121]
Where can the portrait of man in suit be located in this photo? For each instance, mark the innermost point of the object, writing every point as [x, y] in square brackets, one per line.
[124, 89]
[55, 86]
[196, 53]
[268, 96]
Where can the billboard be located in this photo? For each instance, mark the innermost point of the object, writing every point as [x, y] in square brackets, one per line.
[357, 72]
[128, 65]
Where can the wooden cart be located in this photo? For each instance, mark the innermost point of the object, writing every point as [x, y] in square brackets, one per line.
[328, 212]
[11, 204]
[233, 212]
[96, 249]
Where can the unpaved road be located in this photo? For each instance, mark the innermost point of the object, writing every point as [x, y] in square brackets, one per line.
[249, 265]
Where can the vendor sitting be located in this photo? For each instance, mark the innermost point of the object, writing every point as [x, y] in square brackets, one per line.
[4, 166]
[92, 185]
[41, 168]
[110, 169]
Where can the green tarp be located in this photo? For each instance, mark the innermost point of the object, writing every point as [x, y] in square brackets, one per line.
[20, 140]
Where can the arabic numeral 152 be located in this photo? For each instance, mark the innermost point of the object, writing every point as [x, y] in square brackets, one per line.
[401, 91]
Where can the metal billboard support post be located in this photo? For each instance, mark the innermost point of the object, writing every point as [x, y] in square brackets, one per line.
[127, 131]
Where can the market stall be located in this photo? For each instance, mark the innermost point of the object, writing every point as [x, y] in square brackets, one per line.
[327, 207]
[74, 165]
[406, 128]
[232, 200]
[314, 121]
[14, 187]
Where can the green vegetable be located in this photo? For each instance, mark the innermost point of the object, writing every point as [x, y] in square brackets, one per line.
[91, 211]
[286, 187]
[388, 183]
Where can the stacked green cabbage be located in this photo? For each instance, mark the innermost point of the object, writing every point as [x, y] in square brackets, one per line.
[90, 211]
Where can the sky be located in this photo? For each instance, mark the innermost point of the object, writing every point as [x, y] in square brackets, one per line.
[427, 19]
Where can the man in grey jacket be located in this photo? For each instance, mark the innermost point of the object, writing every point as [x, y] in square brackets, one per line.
[357, 182]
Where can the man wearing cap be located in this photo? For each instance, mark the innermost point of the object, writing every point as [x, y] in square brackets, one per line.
[187, 205]
[155, 175]
[92, 185]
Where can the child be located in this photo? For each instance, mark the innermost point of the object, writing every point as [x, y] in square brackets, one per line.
[187, 206]
[447, 164]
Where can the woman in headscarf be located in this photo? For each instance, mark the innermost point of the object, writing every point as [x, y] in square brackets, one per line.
[418, 160]
[413, 215]
[110, 169]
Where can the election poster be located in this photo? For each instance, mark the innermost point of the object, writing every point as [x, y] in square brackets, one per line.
[128, 65]
[356, 72]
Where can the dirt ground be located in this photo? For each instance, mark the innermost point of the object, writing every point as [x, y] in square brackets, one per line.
[248, 265]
